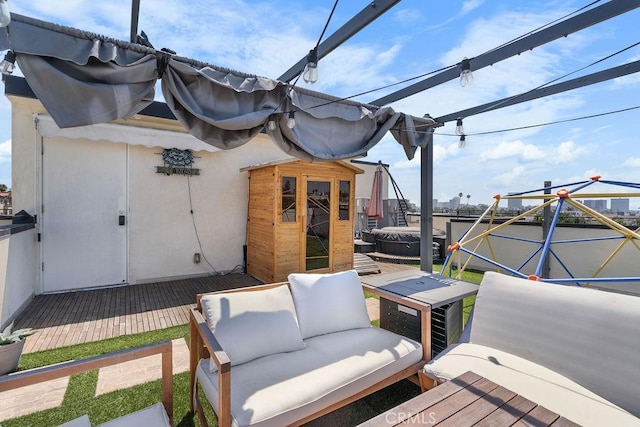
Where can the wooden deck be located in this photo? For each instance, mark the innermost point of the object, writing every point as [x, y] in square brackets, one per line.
[83, 316]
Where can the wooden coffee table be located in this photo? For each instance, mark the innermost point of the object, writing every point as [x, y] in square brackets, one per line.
[469, 400]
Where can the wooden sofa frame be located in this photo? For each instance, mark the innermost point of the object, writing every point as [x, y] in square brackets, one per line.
[203, 344]
[52, 372]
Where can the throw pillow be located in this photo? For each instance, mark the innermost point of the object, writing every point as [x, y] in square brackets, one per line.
[328, 303]
[252, 324]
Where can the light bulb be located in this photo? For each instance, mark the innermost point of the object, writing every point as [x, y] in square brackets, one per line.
[271, 124]
[8, 63]
[5, 17]
[310, 74]
[466, 78]
[291, 121]
[461, 144]
[459, 127]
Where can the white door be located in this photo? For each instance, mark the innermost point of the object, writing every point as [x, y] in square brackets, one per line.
[83, 220]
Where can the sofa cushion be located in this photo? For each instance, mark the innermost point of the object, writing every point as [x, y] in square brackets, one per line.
[589, 336]
[280, 389]
[154, 415]
[252, 324]
[535, 382]
[328, 303]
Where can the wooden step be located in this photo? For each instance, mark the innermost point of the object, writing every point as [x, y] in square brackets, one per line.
[364, 265]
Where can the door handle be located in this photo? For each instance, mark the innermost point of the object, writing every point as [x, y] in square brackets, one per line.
[121, 220]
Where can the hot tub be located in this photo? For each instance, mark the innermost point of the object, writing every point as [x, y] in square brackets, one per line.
[405, 241]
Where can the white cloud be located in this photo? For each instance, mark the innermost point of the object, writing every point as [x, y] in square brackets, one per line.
[440, 154]
[632, 162]
[467, 7]
[407, 16]
[5, 151]
[408, 164]
[445, 152]
[511, 177]
[470, 5]
[567, 152]
[513, 149]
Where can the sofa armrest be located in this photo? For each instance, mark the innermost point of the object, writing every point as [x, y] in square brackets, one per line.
[47, 373]
[204, 344]
[423, 309]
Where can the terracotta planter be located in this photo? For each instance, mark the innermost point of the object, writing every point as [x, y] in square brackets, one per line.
[10, 356]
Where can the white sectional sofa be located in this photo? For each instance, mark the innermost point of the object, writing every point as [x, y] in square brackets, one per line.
[575, 351]
[284, 354]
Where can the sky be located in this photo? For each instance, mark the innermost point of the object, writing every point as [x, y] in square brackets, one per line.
[415, 37]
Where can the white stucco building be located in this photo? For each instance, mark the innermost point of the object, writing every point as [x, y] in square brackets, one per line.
[105, 216]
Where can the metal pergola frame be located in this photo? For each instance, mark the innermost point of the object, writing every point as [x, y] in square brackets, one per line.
[377, 8]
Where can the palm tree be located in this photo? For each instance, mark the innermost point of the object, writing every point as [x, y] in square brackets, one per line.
[468, 197]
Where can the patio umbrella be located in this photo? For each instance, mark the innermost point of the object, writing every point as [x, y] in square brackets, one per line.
[374, 209]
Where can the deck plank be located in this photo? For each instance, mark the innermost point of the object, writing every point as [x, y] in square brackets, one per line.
[92, 315]
[83, 316]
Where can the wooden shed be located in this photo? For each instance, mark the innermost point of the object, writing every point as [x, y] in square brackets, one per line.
[300, 218]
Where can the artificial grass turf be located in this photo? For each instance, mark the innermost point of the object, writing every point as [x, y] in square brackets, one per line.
[79, 397]
[82, 351]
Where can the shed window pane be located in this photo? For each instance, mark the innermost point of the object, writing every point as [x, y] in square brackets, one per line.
[288, 199]
[345, 198]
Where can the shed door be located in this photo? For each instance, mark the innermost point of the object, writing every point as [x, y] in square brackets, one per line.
[318, 224]
[83, 221]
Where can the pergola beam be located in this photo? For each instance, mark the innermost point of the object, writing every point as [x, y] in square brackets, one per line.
[600, 76]
[366, 16]
[586, 19]
[135, 13]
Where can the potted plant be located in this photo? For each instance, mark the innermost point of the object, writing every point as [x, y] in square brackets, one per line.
[11, 344]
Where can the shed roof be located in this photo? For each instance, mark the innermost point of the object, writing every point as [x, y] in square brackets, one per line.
[342, 163]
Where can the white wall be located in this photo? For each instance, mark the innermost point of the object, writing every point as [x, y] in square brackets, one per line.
[161, 234]
[161, 237]
[17, 273]
[24, 156]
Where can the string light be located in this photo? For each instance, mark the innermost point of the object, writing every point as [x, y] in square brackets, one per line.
[271, 124]
[462, 141]
[8, 64]
[466, 78]
[5, 16]
[291, 121]
[310, 74]
[459, 127]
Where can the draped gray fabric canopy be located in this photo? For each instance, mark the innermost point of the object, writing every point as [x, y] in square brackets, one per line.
[83, 78]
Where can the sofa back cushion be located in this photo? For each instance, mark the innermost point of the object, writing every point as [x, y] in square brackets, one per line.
[587, 335]
[328, 303]
[252, 324]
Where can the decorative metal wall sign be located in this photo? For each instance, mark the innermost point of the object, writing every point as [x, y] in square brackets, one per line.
[179, 162]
